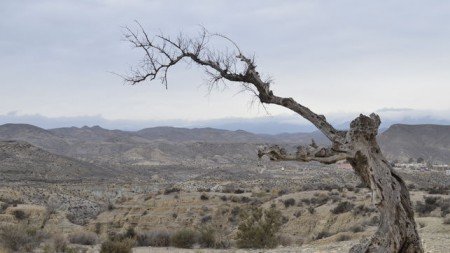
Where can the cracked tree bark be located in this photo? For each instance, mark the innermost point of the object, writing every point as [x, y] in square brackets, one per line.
[397, 229]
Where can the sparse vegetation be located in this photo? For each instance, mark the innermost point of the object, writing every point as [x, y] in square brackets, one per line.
[153, 239]
[184, 238]
[20, 214]
[117, 246]
[83, 238]
[289, 202]
[259, 228]
[20, 238]
[343, 237]
[343, 207]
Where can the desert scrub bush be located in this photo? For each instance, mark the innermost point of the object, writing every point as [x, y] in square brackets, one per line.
[206, 218]
[83, 238]
[153, 239]
[239, 191]
[245, 199]
[20, 238]
[426, 207]
[357, 228]
[59, 243]
[184, 238]
[20, 214]
[445, 207]
[311, 210]
[319, 199]
[342, 207]
[343, 237]
[283, 192]
[3, 207]
[168, 191]
[446, 221]
[259, 228]
[289, 202]
[322, 235]
[204, 197]
[438, 190]
[207, 237]
[117, 246]
[362, 210]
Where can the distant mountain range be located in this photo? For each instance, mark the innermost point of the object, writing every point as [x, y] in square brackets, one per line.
[430, 142]
[208, 146]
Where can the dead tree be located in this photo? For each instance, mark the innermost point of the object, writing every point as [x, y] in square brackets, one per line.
[397, 229]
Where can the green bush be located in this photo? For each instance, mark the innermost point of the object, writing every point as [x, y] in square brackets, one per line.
[117, 246]
[259, 228]
[184, 238]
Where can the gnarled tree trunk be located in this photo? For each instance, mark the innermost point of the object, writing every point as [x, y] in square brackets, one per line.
[397, 230]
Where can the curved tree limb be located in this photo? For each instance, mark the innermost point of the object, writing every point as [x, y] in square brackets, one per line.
[161, 53]
[303, 154]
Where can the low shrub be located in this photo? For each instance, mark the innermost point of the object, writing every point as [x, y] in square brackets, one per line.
[207, 238]
[342, 207]
[362, 210]
[168, 191]
[59, 243]
[20, 238]
[319, 199]
[357, 229]
[184, 238]
[153, 239]
[239, 191]
[206, 218]
[445, 207]
[343, 237]
[438, 190]
[130, 233]
[446, 221]
[259, 228]
[322, 235]
[283, 192]
[204, 197]
[429, 205]
[20, 214]
[117, 246]
[289, 202]
[83, 238]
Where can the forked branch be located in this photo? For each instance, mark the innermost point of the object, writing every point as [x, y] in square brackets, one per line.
[303, 153]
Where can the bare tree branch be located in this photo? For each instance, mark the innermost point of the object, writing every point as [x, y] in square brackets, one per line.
[161, 53]
[303, 154]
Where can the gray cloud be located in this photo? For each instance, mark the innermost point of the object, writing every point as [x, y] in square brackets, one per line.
[334, 56]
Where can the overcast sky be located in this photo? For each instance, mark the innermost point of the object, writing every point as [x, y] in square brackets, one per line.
[337, 57]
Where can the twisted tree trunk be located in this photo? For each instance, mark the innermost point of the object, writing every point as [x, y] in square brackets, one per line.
[397, 230]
